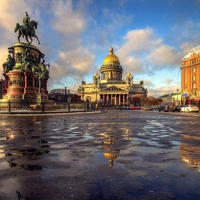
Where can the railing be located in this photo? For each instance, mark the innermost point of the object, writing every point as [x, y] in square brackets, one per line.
[44, 107]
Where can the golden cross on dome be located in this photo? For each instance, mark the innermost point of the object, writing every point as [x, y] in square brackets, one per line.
[111, 50]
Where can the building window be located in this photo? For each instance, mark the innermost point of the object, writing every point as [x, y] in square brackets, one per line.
[194, 78]
[194, 86]
[194, 70]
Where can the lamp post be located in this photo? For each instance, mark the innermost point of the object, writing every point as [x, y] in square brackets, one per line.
[83, 93]
[96, 91]
[65, 97]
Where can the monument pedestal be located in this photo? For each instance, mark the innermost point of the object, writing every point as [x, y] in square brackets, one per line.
[26, 81]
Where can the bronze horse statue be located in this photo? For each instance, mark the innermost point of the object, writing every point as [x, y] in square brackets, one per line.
[28, 32]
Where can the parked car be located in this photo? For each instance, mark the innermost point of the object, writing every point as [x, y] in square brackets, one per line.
[147, 108]
[169, 107]
[166, 107]
[135, 108]
[155, 108]
[162, 107]
[177, 108]
[189, 108]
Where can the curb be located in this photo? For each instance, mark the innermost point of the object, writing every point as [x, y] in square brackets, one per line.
[47, 114]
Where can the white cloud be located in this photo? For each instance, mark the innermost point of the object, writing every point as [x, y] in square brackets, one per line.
[67, 20]
[75, 63]
[73, 59]
[11, 12]
[156, 92]
[138, 41]
[164, 55]
[131, 64]
[148, 83]
[144, 52]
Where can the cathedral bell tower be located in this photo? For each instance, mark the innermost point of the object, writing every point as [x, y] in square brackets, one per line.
[129, 79]
[96, 79]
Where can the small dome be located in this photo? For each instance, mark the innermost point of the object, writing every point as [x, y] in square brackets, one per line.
[111, 59]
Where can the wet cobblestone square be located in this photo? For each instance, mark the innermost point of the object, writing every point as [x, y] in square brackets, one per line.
[112, 155]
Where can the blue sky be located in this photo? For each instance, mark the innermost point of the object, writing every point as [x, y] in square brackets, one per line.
[149, 37]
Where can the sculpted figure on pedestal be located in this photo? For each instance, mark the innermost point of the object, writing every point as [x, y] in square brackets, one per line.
[9, 64]
[43, 70]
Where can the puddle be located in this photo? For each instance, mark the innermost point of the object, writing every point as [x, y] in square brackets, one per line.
[4, 165]
[122, 155]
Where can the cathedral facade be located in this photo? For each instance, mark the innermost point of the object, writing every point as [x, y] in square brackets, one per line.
[110, 89]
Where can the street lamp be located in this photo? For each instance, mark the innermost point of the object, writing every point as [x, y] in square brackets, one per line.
[96, 91]
[83, 93]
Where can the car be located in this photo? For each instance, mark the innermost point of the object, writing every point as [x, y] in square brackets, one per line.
[189, 108]
[146, 108]
[177, 108]
[169, 107]
[135, 108]
[164, 107]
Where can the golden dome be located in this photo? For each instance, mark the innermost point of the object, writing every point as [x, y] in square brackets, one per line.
[110, 157]
[111, 59]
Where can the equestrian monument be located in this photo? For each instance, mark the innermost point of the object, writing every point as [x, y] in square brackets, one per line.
[25, 71]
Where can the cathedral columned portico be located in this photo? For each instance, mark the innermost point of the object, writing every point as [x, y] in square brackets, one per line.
[114, 99]
[110, 89]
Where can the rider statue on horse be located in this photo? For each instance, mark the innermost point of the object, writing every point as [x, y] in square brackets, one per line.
[27, 29]
[26, 21]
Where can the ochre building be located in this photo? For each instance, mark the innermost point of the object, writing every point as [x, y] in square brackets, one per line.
[190, 76]
[108, 88]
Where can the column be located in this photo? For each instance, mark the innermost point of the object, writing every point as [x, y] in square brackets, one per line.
[103, 99]
[119, 99]
[107, 99]
[127, 99]
[123, 99]
[115, 99]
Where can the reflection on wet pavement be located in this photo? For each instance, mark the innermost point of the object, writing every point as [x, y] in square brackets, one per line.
[113, 155]
[190, 151]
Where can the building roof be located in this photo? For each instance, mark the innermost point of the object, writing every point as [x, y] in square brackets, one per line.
[164, 96]
[195, 50]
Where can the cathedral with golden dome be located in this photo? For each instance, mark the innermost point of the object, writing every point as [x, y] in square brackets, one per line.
[110, 89]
